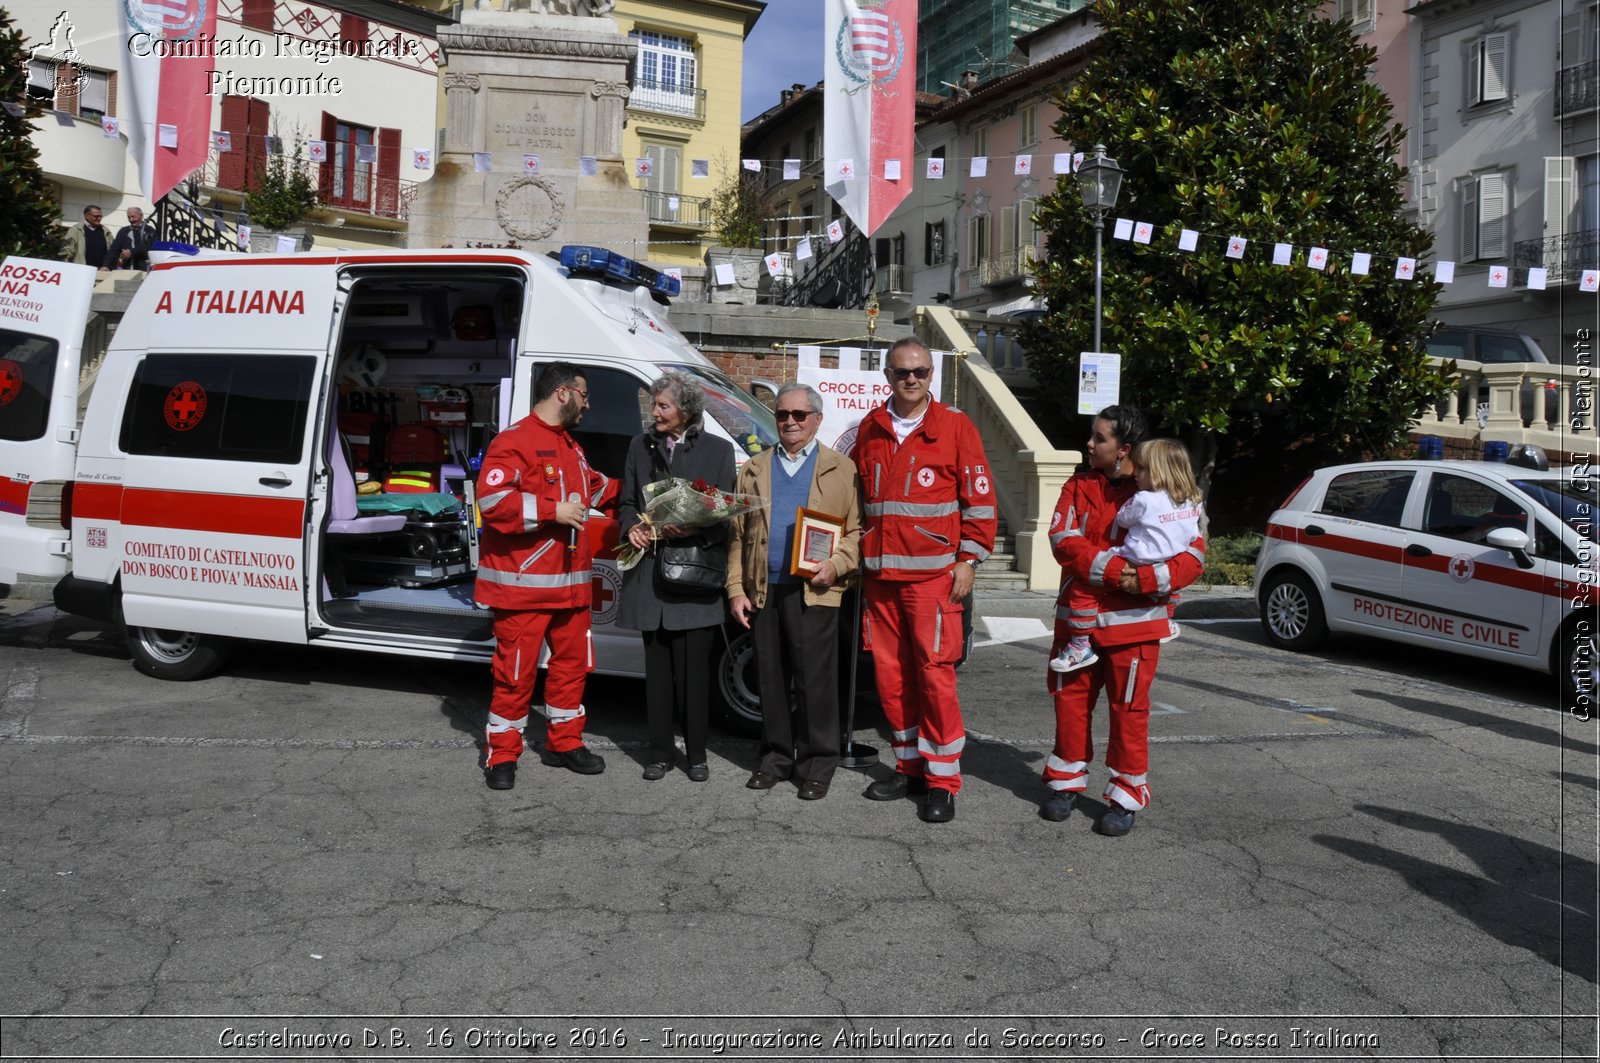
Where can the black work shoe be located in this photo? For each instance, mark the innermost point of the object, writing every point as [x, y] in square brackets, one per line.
[699, 772]
[940, 807]
[501, 776]
[1116, 822]
[1058, 806]
[656, 771]
[579, 760]
[895, 787]
[814, 789]
[762, 780]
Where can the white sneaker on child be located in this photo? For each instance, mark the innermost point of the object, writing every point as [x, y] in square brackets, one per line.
[1173, 625]
[1072, 658]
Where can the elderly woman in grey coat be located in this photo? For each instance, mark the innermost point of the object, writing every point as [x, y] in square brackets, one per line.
[679, 627]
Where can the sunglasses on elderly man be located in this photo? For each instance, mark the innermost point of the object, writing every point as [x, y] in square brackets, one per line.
[798, 415]
[919, 371]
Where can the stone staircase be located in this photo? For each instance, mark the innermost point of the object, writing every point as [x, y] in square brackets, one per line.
[1000, 571]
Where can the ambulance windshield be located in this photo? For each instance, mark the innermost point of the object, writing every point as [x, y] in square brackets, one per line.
[749, 422]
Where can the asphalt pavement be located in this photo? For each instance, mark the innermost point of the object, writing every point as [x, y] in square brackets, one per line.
[1350, 854]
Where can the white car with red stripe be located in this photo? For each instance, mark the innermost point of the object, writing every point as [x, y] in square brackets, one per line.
[1490, 559]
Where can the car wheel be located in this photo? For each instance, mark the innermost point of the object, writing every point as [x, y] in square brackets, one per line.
[736, 687]
[1291, 611]
[1572, 658]
[176, 655]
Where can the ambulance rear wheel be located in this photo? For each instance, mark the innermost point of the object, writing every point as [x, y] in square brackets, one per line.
[176, 655]
[735, 685]
[1573, 659]
[1291, 611]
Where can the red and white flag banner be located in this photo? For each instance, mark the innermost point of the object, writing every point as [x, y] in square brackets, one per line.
[167, 90]
[869, 109]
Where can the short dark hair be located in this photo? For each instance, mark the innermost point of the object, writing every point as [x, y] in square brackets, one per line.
[556, 375]
[1127, 424]
[91, 206]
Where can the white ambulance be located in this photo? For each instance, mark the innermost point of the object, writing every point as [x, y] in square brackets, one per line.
[212, 488]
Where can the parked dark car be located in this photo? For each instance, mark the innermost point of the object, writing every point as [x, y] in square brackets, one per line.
[1490, 346]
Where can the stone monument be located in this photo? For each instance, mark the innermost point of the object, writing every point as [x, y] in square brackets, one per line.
[550, 82]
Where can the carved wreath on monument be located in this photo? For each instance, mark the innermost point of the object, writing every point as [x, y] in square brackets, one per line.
[529, 208]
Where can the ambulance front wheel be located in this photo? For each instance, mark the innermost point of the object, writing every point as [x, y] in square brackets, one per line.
[176, 655]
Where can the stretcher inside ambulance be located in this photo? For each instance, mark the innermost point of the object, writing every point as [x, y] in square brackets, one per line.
[282, 448]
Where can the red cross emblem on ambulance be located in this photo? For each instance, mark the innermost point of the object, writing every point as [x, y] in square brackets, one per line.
[10, 381]
[185, 406]
[1461, 568]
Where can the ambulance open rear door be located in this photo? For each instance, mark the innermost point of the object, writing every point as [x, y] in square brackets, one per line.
[44, 307]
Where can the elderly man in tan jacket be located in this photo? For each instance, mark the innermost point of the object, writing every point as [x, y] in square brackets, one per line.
[795, 625]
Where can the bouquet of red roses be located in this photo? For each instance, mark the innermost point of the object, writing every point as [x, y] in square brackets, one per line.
[688, 504]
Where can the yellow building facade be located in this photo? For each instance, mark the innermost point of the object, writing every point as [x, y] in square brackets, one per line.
[683, 111]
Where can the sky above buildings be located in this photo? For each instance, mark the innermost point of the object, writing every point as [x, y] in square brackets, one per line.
[784, 48]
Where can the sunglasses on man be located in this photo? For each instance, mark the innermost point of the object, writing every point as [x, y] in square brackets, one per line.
[921, 372]
[798, 415]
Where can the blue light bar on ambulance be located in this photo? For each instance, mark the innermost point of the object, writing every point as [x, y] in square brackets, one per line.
[581, 259]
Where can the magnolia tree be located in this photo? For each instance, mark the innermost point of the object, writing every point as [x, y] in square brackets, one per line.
[1253, 120]
[28, 211]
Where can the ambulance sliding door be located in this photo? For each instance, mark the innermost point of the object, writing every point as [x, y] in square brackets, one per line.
[43, 309]
[214, 502]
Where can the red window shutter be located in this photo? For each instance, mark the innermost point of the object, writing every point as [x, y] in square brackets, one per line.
[353, 29]
[387, 202]
[236, 122]
[257, 128]
[111, 93]
[330, 132]
[257, 14]
[67, 93]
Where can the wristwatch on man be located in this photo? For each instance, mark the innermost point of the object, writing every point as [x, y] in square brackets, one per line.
[974, 562]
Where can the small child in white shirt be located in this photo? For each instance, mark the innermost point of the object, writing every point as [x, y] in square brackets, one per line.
[1159, 522]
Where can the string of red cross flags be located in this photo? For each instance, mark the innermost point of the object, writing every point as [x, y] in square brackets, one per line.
[1498, 275]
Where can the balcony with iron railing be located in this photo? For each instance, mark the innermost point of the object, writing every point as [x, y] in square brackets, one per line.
[665, 97]
[362, 192]
[1564, 257]
[893, 279]
[1577, 89]
[672, 210]
[1008, 267]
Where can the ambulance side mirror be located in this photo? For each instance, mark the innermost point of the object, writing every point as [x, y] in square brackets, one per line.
[1515, 542]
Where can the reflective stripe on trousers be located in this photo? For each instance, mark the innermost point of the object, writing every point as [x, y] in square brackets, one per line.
[518, 635]
[916, 676]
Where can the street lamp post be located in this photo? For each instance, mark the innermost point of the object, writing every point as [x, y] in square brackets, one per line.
[1099, 181]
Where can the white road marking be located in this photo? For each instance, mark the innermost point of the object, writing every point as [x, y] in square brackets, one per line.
[1003, 629]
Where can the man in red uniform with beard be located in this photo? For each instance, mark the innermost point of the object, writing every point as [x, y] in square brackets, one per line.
[929, 520]
[534, 569]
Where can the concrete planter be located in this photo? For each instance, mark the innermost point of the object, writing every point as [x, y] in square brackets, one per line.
[265, 241]
[746, 262]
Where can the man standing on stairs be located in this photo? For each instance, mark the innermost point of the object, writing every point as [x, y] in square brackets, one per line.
[929, 520]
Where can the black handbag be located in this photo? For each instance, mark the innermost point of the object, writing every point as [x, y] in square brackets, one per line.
[690, 566]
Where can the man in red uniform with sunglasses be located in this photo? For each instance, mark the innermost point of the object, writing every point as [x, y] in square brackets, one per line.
[929, 520]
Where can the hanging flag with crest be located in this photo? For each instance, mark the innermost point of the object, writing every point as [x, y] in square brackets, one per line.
[869, 111]
[161, 91]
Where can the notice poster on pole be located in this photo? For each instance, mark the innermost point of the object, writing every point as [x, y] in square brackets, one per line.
[1099, 381]
[849, 395]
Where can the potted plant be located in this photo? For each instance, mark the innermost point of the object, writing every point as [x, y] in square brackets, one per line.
[284, 193]
[739, 219]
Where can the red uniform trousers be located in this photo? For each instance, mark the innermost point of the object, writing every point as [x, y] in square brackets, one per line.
[1126, 673]
[914, 633]
[519, 634]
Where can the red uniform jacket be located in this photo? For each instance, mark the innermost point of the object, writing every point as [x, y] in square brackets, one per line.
[526, 560]
[927, 502]
[1081, 534]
